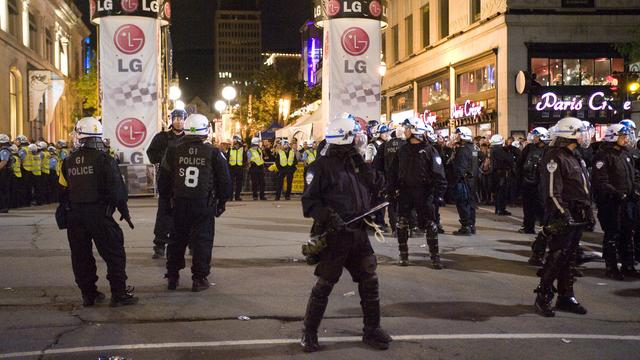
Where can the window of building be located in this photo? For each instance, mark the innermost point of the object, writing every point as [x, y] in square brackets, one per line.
[33, 33]
[433, 93]
[540, 68]
[402, 101]
[425, 26]
[408, 25]
[574, 72]
[14, 103]
[475, 10]
[48, 45]
[395, 41]
[571, 71]
[555, 72]
[477, 80]
[13, 17]
[444, 18]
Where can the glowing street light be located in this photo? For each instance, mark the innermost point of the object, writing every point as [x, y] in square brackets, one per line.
[174, 93]
[220, 106]
[179, 104]
[382, 69]
[229, 93]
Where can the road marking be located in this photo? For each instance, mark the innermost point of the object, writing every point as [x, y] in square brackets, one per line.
[214, 344]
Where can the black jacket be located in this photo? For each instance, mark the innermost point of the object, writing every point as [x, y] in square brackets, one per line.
[565, 181]
[528, 167]
[502, 162]
[418, 165]
[614, 176]
[159, 145]
[464, 163]
[389, 153]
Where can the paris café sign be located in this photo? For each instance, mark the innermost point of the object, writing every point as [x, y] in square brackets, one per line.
[596, 102]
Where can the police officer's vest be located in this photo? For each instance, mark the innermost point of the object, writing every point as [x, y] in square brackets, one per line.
[256, 156]
[46, 162]
[193, 170]
[311, 156]
[287, 161]
[82, 176]
[15, 166]
[33, 164]
[235, 157]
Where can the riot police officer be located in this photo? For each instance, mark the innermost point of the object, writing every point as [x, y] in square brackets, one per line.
[374, 157]
[338, 191]
[16, 186]
[195, 177]
[464, 168]
[159, 145]
[615, 189]
[502, 164]
[256, 169]
[309, 156]
[286, 163]
[529, 176]
[237, 162]
[389, 155]
[418, 175]
[567, 200]
[93, 190]
[5, 172]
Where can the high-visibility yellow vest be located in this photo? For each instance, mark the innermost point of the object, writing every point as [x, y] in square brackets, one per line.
[235, 157]
[33, 164]
[284, 161]
[46, 160]
[15, 166]
[311, 156]
[256, 156]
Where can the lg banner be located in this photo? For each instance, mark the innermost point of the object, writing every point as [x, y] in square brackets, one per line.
[351, 82]
[129, 74]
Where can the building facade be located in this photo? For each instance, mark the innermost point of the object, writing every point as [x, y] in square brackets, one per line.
[41, 51]
[238, 46]
[455, 62]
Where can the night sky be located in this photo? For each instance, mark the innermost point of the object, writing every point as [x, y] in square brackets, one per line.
[192, 34]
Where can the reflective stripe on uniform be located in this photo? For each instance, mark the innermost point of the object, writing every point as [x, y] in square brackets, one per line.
[256, 157]
[555, 201]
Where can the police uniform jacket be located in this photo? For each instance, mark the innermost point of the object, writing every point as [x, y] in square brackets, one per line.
[91, 176]
[529, 164]
[193, 169]
[159, 145]
[338, 181]
[614, 175]
[465, 163]
[418, 166]
[389, 153]
[565, 181]
[502, 162]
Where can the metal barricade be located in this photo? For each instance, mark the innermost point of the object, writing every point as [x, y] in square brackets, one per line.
[139, 179]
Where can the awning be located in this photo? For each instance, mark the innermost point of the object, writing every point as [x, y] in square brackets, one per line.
[310, 126]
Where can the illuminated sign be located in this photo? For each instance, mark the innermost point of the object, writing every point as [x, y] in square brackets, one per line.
[429, 117]
[597, 101]
[469, 109]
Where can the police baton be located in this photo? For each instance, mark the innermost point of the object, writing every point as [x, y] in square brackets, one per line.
[359, 217]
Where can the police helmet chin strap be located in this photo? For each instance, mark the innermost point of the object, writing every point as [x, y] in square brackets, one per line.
[378, 234]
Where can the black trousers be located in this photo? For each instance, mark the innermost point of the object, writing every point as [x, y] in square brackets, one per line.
[256, 174]
[532, 206]
[88, 224]
[421, 201]
[502, 191]
[194, 223]
[237, 176]
[466, 206]
[349, 249]
[283, 175]
[164, 223]
[617, 221]
[5, 189]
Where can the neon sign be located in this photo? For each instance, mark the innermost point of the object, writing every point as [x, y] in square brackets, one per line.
[469, 109]
[429, 117]
[596, 102]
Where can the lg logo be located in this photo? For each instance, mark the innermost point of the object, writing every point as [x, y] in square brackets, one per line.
[129, 39]
[355, 41]
[129, 5]
[131, 132]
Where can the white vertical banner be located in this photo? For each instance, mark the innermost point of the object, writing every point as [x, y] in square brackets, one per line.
[350, 76]
[130, 77]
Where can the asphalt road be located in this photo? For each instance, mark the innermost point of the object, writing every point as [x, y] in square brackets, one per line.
[479, 307]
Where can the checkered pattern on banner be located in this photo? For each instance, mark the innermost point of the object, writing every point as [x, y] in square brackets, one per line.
[357, 94]
[139, 93]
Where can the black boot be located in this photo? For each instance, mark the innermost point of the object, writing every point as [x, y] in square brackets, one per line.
[432, 244]
[570, 304]
[403, 239]
[543, 302]
[463, 231]
[172, 281]
[200, 284]
[610, 255]
[373, 335]
[313, 316]
[90, 299]
[614, 273]
[158, 252]
[124, 298]
[538, 247]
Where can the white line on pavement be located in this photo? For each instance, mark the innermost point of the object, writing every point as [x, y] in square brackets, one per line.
[213, 344]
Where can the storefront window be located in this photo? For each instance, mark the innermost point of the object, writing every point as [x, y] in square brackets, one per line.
[602, 70]
[617, 65]
[555, 72]
[434, 93]
[476, 81]
[587, 71]
[402, 101]
[571, 71]
[540, 68]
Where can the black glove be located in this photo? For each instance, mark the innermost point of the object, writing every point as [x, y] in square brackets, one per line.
[220, 208]
[620, 196]
[567, 219]
[438, 201]
[334, 222]
[126, 217]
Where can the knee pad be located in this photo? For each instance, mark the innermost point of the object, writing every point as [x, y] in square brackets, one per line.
[403, 223]
[368, 288]
[431, 229]
[322, 289]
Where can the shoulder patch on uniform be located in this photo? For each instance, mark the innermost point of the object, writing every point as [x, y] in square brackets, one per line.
[438, 160]
[599, 165]
[309, 178]
[552, 166]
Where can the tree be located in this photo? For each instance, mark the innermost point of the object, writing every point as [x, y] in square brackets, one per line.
[85, 91]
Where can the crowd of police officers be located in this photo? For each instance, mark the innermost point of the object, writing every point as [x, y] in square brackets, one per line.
[560, 172]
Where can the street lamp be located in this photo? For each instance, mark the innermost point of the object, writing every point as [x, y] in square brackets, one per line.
[179, 104]
[220, 106]
[229, 93]
[174, 93]
[382, 69]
